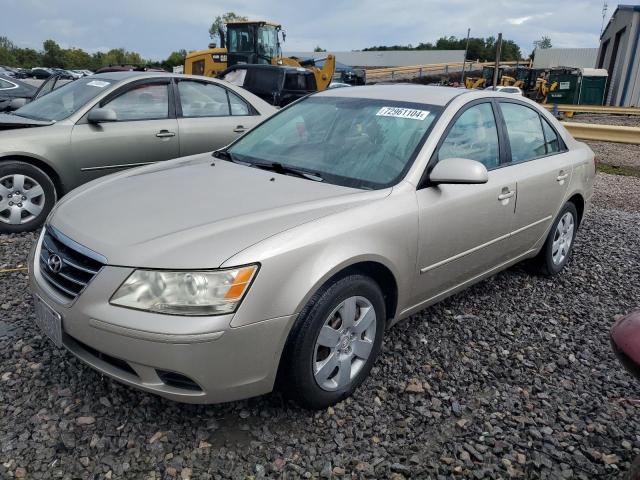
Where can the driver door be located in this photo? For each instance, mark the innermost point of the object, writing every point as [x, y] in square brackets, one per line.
[146, 130]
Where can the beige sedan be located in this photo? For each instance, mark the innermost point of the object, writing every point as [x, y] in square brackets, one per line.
[284, 259]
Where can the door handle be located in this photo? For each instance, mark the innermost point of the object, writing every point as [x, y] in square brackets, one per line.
[562, 176]
[506, 195]
[239, 129]
[165, 134]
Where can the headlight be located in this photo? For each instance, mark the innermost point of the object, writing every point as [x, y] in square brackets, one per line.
[213, 292]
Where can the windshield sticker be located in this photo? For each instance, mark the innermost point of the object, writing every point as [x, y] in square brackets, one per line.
[98, 83]
[403, 113]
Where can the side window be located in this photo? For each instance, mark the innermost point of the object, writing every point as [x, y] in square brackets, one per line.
[6, 85]
[550, 137]
[474, 136]
[525, 132]
[200, 99]
[197, 67]
[238, 106]
[142, 102]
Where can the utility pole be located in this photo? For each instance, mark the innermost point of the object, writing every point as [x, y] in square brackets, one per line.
[604, 14]
[498, 54]
[464, 62]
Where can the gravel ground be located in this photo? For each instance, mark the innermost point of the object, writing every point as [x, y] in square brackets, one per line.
[512, 378]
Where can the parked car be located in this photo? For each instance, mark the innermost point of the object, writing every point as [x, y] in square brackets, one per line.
[505, 89]
[7, 72]
[41, 73]
[12, 88]
[23, 73]
[105, 123]
[288, 254]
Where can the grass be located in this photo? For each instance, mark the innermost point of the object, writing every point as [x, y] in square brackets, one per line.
[618, 170]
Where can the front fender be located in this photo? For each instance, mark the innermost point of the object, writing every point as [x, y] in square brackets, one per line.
[296, 263]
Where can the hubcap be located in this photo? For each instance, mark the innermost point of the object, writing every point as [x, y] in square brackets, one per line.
[21, 199]
[562, 239]
[344, 343]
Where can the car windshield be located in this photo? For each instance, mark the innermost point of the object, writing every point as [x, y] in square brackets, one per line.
[64, 101]
[356, 142]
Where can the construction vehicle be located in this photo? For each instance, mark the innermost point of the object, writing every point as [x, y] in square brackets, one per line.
[249, 43]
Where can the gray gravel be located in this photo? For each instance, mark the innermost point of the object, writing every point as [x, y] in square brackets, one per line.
[512, 378]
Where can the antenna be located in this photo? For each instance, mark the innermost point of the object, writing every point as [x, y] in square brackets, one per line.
[604, 14]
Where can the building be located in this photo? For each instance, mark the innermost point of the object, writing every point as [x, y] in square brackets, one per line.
[388, 58]
[565, 57]
[619, 45]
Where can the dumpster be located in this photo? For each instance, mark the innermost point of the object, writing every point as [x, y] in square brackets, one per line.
[568, 85]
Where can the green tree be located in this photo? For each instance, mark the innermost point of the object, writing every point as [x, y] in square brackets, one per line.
[7, 52]
[53, 55]
[543, 43]
[174, 59]
[27, 57]
[319, 49]
[221, 21]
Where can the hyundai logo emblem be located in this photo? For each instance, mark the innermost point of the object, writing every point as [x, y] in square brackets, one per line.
[54, 262]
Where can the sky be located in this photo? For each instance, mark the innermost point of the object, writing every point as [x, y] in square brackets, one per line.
[155, 28]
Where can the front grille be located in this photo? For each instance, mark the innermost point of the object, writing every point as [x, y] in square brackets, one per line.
[113, 361]
[77, 265]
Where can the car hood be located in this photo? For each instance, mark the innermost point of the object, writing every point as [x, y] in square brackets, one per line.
[14, 121]
[187, 213]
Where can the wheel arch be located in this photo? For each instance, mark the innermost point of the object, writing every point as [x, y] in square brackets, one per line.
[42, 165]
[578, 200]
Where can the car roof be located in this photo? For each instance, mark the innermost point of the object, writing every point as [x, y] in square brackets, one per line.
[430, 95]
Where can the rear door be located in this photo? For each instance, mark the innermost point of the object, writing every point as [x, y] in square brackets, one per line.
[210, 116]
[542, 165]
[146, 130]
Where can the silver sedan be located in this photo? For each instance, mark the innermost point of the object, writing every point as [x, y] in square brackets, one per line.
[104, 123]
[288, 255]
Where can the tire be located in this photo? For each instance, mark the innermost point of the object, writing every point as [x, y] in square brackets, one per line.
[549, 262]
[301, 378]
[27, 195]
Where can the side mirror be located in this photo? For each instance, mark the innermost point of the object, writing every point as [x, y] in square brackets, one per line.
[16, 103]
[101, 115]
[459, 170]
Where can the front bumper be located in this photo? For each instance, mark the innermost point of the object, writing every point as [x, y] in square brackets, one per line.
[187, 359]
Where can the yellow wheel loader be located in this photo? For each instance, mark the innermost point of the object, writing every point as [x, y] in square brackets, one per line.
[251, 43]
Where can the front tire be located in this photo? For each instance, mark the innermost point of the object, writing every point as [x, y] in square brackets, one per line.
[559, 243]
[27, 195]
[334, 342]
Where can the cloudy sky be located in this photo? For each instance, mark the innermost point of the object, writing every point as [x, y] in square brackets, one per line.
[154, 28]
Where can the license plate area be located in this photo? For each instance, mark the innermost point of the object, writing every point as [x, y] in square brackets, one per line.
[49, 321]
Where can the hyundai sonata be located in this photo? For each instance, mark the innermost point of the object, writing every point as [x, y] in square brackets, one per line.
[286, 256]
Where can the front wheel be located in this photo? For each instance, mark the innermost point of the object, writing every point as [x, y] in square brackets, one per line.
[27, 195]
[335, 342]
[559, 243]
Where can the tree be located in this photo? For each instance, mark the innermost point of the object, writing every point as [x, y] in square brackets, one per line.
[7, 52]
[543, 43]
[53, 55]
[221, 21]
[319, 49]
[174, 59]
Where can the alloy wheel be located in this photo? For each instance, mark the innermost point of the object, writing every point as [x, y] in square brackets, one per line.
[21, 199]
[344, 343]
[562, 238]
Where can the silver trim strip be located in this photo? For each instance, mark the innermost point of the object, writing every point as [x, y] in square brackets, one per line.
[111, 167]
[479, 247]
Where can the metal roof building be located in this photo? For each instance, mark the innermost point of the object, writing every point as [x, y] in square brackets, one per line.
[620, 54]
[388, 58]
[565, 57]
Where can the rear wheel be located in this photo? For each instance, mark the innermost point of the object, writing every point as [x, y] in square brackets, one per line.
[556, 250]
[27, 195]
[335, 342]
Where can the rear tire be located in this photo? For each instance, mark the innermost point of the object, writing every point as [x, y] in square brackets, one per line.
[558, 246]
[327, 356]
[27, 195]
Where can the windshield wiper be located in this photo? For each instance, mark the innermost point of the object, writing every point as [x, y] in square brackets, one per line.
[287, 170]
[226, 155]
